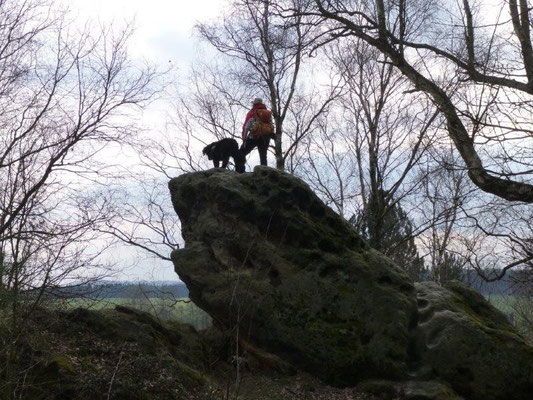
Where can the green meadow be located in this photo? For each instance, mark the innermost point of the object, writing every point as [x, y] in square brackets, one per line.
[182, 310]
[504, 303]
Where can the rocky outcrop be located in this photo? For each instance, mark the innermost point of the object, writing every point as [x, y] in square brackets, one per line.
[460, 338]
[113, 354]
[265, 254]
[270, 262]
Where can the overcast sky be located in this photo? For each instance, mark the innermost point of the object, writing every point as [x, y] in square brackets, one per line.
[163, 34]
[164, 27]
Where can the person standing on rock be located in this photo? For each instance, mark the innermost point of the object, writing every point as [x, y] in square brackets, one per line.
[257, 130]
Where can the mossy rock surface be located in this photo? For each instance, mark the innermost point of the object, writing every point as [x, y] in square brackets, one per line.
[117, 354]
[263, 252]
[462, 339]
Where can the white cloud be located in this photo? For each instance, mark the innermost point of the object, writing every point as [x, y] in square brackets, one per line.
[163, 36]
[163, 27]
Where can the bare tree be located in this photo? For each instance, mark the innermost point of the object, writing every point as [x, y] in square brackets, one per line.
[444, 193]
[266, 55]
[147, 220]
[263, 55]
[329, 167]
[364, 159]
[65, 96]
[460, 55]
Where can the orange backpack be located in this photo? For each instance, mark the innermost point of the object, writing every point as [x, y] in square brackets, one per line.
[262, 123]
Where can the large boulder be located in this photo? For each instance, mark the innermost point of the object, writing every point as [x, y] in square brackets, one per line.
[274, 265]
[263, 254]
[460, 338]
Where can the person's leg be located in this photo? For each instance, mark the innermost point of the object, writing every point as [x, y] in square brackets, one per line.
[262, 146]
[248, 145]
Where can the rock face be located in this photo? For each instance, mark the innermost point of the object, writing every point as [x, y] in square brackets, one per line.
[262, 252]
[270, 262]
[465, 341]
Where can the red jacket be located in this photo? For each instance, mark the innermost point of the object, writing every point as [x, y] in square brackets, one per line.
[251, 114]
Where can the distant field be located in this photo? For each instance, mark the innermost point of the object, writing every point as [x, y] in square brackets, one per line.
[182, 310]
[503, 303]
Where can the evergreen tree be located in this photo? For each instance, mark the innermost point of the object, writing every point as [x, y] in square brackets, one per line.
[450, 267]
[387, 228]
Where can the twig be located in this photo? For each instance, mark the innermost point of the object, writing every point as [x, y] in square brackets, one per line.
[115, 371]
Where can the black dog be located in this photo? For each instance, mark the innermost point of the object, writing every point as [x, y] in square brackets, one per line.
[222, 151]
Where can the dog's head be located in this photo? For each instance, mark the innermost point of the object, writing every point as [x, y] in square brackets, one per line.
[208, 150]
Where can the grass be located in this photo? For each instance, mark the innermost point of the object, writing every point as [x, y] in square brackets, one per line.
[504, 303]
[181, 310]
[184, 311]
[519, 309]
